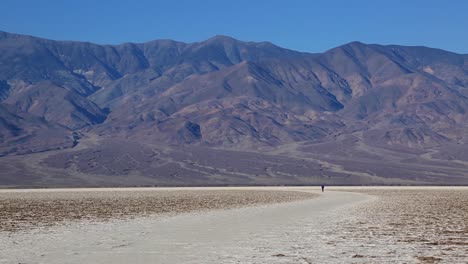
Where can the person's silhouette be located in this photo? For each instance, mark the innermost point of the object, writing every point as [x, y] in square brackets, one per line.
[323, 188]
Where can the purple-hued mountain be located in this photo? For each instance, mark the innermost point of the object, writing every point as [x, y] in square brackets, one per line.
[157, 111]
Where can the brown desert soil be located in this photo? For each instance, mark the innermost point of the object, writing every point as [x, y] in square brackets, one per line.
[39, 209]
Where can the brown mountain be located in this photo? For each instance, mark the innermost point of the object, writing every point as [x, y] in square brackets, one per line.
[356, 114]
[22, 133]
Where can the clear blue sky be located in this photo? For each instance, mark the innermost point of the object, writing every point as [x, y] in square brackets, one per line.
[312, 26]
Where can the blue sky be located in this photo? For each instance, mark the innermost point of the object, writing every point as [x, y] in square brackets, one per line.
[312, 26]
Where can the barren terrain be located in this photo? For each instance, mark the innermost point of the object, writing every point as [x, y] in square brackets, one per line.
[426, 225]
[23, 210]
[105, 162]
[223, 112]
[342, 225]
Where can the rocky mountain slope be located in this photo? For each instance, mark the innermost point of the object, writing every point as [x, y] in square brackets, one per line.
[235, 95]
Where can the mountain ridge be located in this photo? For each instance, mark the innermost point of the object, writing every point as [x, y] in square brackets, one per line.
[6, 33]
[235, 95]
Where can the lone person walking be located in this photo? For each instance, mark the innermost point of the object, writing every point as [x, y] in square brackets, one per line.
[323, 188]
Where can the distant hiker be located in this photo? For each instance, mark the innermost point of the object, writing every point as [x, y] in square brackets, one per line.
[323, 188]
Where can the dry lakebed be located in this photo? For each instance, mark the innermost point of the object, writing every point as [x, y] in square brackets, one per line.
[235, 225]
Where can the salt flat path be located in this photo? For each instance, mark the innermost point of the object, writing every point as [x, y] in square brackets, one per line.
[295, 232]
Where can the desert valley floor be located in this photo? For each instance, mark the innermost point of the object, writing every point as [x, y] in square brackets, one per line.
[235, 225]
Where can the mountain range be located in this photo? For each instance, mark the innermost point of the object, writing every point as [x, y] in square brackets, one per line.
[355, 114]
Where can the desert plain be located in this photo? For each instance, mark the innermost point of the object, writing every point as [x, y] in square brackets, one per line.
[235, 225]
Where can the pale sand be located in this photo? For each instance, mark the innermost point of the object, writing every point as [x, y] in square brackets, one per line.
[337, 227]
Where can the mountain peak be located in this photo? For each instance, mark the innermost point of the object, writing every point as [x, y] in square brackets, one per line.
[221, 38]
[355, 43]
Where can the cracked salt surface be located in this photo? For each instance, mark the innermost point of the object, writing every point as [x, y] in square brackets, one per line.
[283, 233]
[336, 227]
[410, 225]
